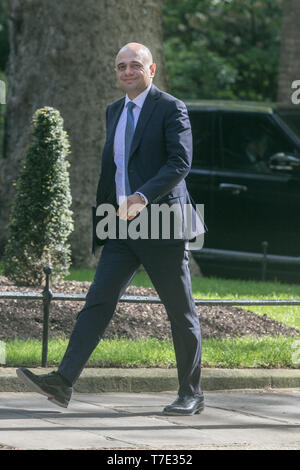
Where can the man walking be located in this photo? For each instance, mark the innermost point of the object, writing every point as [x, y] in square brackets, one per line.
[146, 157]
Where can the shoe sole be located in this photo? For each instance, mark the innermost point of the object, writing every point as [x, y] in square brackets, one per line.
[53, 400]
[35, 388]
[174, 413]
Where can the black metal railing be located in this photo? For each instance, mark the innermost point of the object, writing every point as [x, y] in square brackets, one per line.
[47, 296]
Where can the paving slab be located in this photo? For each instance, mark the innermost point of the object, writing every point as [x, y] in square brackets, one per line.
[232, 419]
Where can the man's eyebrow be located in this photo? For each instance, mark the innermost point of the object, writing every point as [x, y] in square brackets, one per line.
[130, 62]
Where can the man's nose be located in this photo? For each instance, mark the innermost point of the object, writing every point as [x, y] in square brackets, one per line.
[128, 70]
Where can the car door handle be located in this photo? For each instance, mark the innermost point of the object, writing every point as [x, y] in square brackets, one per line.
[235, 189]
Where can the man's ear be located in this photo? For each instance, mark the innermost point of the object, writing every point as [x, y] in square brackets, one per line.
[152, 70]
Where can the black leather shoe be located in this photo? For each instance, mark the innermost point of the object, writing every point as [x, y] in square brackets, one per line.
[185, 405]
[51, 385]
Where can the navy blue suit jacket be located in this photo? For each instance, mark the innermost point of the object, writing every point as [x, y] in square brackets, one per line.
[160, 156]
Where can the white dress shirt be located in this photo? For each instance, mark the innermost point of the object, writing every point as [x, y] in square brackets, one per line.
[119, 143]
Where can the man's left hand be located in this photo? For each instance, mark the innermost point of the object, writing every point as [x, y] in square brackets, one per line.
[131, 207]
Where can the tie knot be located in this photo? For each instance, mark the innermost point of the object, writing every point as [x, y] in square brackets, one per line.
[130, 105]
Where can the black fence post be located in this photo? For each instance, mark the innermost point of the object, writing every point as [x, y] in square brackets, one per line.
[47, 297]
[264, 261]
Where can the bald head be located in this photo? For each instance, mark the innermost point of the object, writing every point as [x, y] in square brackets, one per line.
[139, 49]
[134, 68]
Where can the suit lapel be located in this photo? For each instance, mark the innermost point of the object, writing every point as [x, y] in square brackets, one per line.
[147, 109]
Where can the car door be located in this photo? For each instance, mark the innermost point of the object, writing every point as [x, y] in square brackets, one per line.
[198, 181]
[251, 202]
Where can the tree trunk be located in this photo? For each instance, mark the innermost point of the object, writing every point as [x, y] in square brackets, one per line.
[289, 66]
[62, 55]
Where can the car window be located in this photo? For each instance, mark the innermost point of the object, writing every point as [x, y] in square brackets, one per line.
[292, 119]
[249, 140]
[201, 123]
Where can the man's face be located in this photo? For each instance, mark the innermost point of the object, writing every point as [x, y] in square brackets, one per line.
[134, 71]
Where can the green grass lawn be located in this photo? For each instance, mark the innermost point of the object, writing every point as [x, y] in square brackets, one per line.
[266, 352]
[239, 352]
[213, 288]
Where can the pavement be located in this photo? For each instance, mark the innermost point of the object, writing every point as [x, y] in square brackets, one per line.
[121, 410]
[239, 420]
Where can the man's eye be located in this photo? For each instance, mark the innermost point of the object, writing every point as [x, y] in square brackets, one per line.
[121, 68]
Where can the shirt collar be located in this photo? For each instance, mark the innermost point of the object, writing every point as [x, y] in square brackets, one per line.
[139, 100]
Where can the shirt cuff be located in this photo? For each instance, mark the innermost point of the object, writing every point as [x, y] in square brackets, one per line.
[142, 196]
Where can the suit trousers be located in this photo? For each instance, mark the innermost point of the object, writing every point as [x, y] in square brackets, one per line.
[166, 262]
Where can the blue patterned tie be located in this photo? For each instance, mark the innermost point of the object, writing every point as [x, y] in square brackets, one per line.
[129, 131]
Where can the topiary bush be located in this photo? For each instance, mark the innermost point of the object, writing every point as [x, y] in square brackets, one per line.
[40, 217]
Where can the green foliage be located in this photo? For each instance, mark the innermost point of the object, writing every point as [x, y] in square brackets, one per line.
[197, 72]
[41, 219]
[223, 48]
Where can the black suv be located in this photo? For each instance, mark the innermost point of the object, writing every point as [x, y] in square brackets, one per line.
[246, 171]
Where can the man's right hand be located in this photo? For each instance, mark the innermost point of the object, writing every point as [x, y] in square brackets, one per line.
[131, 207]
